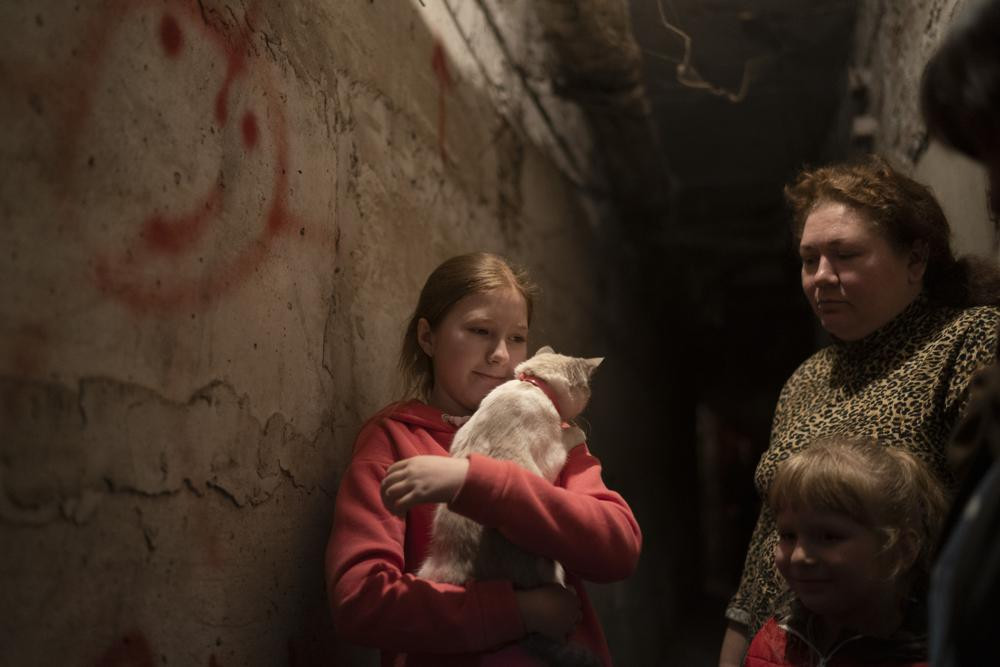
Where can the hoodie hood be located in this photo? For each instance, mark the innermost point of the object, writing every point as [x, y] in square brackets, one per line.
[417, 413]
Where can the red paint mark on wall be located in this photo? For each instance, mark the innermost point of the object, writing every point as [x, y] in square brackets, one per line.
[170, 35]
[234, 68]
[160, 267]
[439, 63]
[132, 650]
[250, 131]
[157, 270]
[176, 234]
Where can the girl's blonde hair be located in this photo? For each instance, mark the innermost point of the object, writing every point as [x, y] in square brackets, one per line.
[455, 278]
[885, 488]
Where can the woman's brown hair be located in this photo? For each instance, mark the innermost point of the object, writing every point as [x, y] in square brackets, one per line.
[905, 212]
[453, 279]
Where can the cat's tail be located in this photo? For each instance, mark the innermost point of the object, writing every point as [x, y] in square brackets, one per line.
[558, 654]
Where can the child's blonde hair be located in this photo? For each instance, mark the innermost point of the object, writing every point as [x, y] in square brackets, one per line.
[455, 278]
[885, 488]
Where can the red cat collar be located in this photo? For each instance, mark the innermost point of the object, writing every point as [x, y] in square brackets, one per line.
[544, 386]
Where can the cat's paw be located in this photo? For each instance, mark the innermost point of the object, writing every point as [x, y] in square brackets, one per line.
[572, 436]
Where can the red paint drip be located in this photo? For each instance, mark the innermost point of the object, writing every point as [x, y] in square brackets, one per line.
[250, 131]
[170, 35]
[170, 236]
[439, 63]
[276, 218]
[233, 69]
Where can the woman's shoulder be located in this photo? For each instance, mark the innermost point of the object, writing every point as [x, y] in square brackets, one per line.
[970, 316]
[982, 315]
[975, 323]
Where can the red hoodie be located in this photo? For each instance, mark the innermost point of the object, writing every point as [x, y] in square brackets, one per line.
[372, 554]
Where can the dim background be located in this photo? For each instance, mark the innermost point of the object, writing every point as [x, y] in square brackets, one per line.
[215, 217]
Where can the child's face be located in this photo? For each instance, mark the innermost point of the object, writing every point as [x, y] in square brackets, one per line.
[833, 564]
[475, 347]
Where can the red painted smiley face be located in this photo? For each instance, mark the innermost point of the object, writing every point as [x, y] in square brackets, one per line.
[181, 155]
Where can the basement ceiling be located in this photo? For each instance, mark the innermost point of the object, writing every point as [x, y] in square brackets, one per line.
[759, 92]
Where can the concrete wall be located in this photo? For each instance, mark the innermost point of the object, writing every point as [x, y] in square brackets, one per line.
[214, 218]
[894, 42]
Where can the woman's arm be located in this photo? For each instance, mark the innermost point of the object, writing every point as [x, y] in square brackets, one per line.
[976, 351]
[734, 645]
[578, 521]
[757, 597]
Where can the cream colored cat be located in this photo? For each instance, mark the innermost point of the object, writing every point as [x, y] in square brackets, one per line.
[519, 421]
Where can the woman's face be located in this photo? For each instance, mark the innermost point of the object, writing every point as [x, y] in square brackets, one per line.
[854, 279]
[475, 347]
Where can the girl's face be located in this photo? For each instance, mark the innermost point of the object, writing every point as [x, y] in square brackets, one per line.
[834, 565]
[854, 279]
[475, 347]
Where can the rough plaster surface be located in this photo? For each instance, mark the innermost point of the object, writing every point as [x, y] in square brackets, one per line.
[894, 42]
[500, 48]
[214, 218]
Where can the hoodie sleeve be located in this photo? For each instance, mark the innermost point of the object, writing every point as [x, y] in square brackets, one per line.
[578, 521]
[375, 602]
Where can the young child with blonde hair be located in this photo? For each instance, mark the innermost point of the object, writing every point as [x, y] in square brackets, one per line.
[856, 523]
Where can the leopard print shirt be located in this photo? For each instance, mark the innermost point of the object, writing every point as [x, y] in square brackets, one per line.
[904, 384]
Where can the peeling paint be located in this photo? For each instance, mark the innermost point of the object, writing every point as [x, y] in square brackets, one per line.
[118, 437]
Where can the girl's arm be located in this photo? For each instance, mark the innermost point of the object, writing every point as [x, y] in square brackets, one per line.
[376, 603]
[578, 521]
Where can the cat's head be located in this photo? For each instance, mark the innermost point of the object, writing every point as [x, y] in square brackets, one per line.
[569, 377]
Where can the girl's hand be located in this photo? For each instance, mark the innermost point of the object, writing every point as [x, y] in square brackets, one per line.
[550, 610]
[422, 479]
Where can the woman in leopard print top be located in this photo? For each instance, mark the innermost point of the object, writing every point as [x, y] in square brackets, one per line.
[909, 326]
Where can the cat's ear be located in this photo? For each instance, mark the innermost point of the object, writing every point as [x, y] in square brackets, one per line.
[593, 363]
[545, 350]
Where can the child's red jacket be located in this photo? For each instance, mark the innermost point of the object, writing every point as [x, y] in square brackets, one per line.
[780, 644]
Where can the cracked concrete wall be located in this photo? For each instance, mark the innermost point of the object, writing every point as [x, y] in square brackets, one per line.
[213, 220]
[893, 43]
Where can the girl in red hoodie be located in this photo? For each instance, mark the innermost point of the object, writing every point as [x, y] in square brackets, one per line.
[466, 335]
[856, 521]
